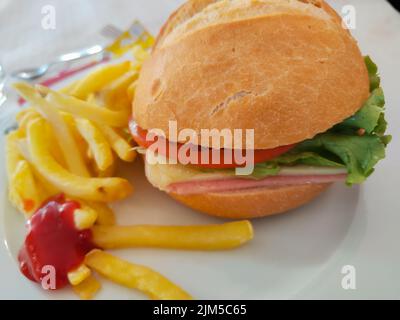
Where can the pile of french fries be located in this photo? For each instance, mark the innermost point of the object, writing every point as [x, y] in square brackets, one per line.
[69, 141]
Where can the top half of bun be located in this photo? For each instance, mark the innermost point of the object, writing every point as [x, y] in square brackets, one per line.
[285, 68]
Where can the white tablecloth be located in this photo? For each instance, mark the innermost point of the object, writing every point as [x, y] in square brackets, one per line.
[24, 43]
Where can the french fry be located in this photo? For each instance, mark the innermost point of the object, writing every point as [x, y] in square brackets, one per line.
[24, 119]
[94, 98]
[98, 79]
[88, 288]
[80, 274]
[48, 189]
[123, 102]
[72, 156]
[213, 237]
[105, 215]
[80, 141]
[109, 172]
[113, 92]
[131, 90]
[95, 189]
[69, 89]
[24, 191]
[134, 276]
[22, 113]
[98, 145]
[89, 154]
[121, 147]
[87, 110]
[85, 218]
[55, 150]
[13, 156]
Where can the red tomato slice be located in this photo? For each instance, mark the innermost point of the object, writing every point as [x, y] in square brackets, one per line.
[144, 140]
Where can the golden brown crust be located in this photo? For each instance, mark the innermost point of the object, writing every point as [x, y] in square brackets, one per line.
[226, 11]
[288, 76]
[191, 7]
[183, 13]
[255, 203]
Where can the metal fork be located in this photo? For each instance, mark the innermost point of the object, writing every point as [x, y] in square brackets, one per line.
[35, 73]
[136, 31]
[109, 31]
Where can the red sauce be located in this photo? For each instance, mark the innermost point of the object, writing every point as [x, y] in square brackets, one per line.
[29, 204]
[53, 240]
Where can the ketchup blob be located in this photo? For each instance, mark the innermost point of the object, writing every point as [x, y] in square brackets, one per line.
[53, 240]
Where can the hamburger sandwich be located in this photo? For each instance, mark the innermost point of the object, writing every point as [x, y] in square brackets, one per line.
[286, 69]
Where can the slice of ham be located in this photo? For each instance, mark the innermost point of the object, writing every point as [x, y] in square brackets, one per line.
[234, 184]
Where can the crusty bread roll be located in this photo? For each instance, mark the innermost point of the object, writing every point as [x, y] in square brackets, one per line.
[253, 203]
[285, 68]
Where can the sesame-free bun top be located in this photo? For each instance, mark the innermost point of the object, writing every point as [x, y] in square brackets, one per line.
[285, 68]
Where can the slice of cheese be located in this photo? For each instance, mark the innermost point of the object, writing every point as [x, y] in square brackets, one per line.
[161, 174]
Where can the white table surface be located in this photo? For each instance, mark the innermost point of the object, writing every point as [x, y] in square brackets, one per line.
[23, 43]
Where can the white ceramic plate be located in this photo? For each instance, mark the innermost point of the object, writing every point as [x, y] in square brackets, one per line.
[297, 255]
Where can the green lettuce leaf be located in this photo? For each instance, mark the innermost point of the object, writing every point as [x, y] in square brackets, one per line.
[386, 140]
[359, 154]
[369, 117]
[265, 169]
[307, 158]
[344, 145]
[374, 79]
[381, 127]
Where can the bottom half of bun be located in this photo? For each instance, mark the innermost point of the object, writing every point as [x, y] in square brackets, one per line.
[252, 203]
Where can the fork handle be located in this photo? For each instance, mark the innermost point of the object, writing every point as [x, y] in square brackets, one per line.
[73, 56]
